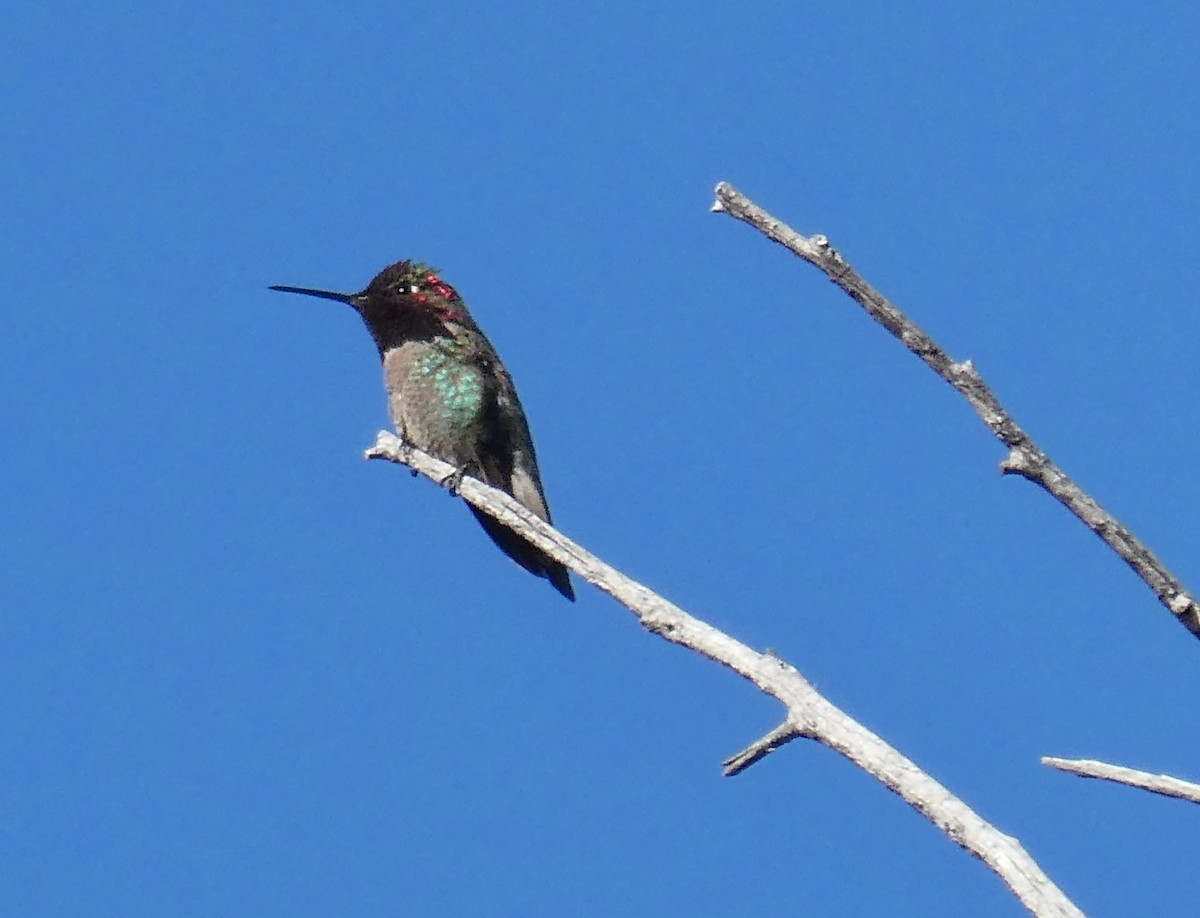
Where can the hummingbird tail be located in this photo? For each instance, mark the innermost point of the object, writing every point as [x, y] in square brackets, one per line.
[533, 559]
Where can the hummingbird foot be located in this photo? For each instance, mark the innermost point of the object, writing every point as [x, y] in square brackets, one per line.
[453, 482]
[405, 450]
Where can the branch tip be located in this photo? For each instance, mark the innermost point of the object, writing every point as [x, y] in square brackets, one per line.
[759, 749]
[1165, 785]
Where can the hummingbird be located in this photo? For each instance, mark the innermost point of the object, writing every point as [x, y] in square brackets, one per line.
[449, 395]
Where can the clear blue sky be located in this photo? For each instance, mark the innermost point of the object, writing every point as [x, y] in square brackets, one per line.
[246, 673]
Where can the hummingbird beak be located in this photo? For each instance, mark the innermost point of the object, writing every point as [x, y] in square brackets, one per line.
[349, 299]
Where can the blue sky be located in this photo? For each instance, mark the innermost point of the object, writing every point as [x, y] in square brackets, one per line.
[245, 672]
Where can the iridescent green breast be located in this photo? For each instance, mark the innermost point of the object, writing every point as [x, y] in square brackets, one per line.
[459, 386]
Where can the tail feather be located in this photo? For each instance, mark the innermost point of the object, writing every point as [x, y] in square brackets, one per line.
[533, 559]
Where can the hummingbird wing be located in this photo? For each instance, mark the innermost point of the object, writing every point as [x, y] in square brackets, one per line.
[508, 462]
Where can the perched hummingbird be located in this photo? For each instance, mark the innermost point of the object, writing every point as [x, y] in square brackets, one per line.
[450, 396]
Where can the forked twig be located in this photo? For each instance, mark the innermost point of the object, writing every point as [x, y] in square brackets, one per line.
[1025, 458]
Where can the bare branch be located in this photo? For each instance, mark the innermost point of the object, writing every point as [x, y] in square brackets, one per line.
[760, 748]
[808, 713]
[1025, 458]
[1157, 784]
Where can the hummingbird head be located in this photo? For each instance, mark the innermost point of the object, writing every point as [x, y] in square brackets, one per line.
[406, 301]
[415, 286]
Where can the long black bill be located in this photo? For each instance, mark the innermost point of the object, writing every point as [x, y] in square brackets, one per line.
[323, 294]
